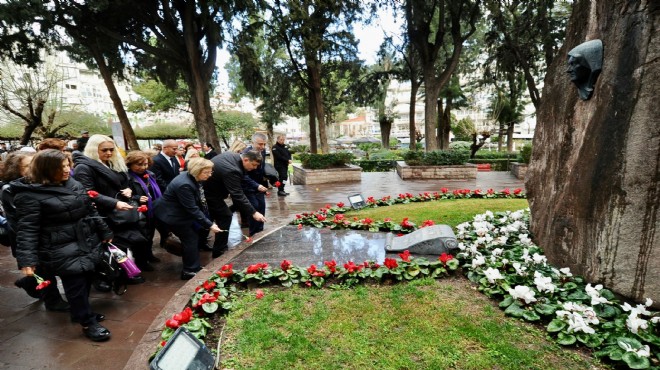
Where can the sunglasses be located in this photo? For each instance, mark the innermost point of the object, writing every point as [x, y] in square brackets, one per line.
[107, 150]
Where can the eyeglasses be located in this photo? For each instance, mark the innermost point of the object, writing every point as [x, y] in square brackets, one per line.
[107, 149]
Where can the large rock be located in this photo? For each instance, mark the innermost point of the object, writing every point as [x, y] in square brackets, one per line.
[594, 179]
[432, 240]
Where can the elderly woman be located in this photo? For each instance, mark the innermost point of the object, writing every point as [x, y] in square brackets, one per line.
[102, 171]
[59, 229]
[183, 208]
[146, 190]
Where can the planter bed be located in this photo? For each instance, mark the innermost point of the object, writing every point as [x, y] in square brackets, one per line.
[449, 172]
[305, 176]
[519, 170]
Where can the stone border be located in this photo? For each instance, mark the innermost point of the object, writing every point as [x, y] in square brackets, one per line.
[519, 170]
[466, 171]
[306, 176]
[147, 345]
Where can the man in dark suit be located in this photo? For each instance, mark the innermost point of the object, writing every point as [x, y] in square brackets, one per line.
[229, 170]
[209, 152]
[165, 166]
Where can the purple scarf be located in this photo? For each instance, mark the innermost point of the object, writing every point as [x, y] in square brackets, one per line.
[154, 186]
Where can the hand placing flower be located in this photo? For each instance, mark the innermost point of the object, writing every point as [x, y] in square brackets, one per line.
[92, 193]
[41, 283]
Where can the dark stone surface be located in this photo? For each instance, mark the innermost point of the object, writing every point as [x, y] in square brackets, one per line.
[314, 246]
[430, 240]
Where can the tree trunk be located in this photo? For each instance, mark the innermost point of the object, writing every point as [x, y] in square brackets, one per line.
[314, 68]
[444, 117]
[312, 123]
[414, 87]
[385, 129]
[432, 89]
[509, 137]
[129, 134]
[500, 137]
[592, 181]
[33, 121]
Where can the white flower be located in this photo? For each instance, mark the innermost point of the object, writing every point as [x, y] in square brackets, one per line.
[645, 351]
[655, 320]
[497, 251]
[525, 256]
[626, 307]
[524, 293]
[520, 269]
[566, 271]
[502, 220]
[578, 317]
[517, 215]
[642, 310]
[543, 284]
[493, 274]
[478, 261]
[479, 218]
[649, 302]
[635, 323]
[594, 293]
[524, 239]
[502, 240]
[539, 259]
[505, 261]
[461, 246]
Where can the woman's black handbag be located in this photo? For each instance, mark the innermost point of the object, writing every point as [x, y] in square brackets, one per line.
[121, 217]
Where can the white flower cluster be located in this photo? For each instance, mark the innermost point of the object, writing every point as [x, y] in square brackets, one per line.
[578, 317]
[524, 293]
[634, 322]
[644, 351]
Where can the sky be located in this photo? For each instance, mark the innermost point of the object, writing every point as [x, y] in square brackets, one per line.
[370, 37]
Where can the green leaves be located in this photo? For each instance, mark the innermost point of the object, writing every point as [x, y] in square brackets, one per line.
[634, 361]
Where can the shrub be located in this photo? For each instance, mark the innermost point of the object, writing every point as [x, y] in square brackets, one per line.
[298, 149]
[320, 161]
[383, 165]
[484, 154]
[436, 158]
[460, 145]
[526, 153]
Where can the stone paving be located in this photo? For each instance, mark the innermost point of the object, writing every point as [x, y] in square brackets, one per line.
[35, 338]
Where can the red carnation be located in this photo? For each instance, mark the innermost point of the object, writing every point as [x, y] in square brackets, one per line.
[226, 271]
[390, 263]
[340, 205]
[259, 294]
[172, 324]
[145, 176]
[405, 255]
[209, 285]
[41, 283]
[278, 184]
[92, 193]
[142, 208]
[285, 265]
[445, 257]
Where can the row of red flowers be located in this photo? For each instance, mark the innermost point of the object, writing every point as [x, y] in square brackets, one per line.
[333, 217]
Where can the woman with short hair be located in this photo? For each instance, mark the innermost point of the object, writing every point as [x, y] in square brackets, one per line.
[59, 229]
[183, 208]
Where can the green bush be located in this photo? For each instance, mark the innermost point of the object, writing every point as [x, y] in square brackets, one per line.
[383, 165]
[526, 153]
[484, 154]
[320, 161]
[386, 154]
[460, 145]
[298, 149]
[499, 164]
[436, 158]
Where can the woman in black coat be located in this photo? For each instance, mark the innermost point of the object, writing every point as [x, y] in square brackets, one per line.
[102, 170]
[59, 229]
[183, 208]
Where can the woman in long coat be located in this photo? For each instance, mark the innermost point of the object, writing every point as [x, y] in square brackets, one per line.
[59, 229]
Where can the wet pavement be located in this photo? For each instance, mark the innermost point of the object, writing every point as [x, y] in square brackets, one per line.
[35, 338]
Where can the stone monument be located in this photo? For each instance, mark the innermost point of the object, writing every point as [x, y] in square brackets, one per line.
[435, 240]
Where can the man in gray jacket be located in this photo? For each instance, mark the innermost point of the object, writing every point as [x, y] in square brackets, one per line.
[229, 169]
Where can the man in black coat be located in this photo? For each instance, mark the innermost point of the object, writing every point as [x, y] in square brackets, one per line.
[282, 159]
[229, 170]
[209, 152]
[165, 166]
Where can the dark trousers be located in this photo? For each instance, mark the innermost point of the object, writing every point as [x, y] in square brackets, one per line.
[76, 289]
[222, 216]
[189, 241]
[282, 172]
[258, 201]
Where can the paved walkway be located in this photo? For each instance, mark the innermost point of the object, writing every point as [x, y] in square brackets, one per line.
[35, 338]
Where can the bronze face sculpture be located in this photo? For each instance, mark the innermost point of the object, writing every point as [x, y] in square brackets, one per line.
[585, 62]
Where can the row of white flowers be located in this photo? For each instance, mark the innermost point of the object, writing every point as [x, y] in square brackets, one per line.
[499, 254]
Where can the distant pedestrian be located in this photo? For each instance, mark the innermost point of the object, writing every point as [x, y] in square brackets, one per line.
[282, 157]
[82, 141]
[209, 153]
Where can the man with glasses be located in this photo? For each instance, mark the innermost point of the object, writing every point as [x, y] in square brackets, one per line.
[166, 166]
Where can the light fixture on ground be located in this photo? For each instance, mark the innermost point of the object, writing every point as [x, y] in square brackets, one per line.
[183, 351]
[357, 201]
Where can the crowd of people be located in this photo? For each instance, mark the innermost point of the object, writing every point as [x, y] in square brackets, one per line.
[63, 207]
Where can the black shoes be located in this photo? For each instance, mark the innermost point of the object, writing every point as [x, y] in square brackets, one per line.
[135, 280]
[187, 275]
[282, 193]
[144, 266]
[102, 286]
[29, 284]
[96, 332]
[218, 253]
[99, 317]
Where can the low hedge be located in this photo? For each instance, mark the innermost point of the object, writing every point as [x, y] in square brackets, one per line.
[436, 158]
[321, 161]
[381, 165]
[495, 164]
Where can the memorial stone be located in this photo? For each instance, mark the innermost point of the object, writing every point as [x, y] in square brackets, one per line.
[435, 240]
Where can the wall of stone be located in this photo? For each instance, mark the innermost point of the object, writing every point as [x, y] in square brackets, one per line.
[303, 176]
[519, 170]
[455, 172]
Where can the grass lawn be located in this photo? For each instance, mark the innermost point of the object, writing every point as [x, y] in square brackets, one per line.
[423, 324]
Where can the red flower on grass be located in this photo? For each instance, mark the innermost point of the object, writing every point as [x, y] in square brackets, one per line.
[172, 324]
[209, 285]
[226, 271]
[390, 263]
[444, 190]
[92, 193]
[331, 265]
[351, 267]
[405, 255]
[506, 191]
[253, 269]
[259, 294]
[41, 283]
[367, 221]
[320, 217]
[427, 223]
[517, 191]
[142, 209]
[407, 224]
[340, 205]
[444, 258]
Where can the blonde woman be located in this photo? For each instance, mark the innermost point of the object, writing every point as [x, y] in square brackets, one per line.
[103, 173]
[183, 208]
